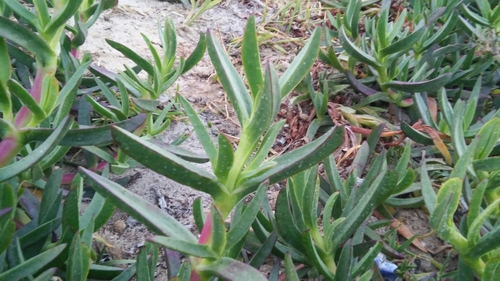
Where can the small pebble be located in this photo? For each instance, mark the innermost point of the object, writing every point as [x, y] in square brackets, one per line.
[119, 226]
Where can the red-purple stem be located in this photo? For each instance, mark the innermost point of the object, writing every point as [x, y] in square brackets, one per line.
[22, 117]
[9, 147]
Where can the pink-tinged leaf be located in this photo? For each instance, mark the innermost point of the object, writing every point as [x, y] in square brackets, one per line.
[229, 269]
[206, 233]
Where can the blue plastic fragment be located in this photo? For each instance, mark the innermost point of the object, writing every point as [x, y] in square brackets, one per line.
[386, 267]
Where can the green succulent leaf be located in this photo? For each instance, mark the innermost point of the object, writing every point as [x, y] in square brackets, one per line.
[38, 154]
[166, 163]
[491, 270]
[475, 203]
[93, 136]
[428, 192]
[58, 21]
[447, 201]
[301, 65]
[355, 51]
[300, 159]
[24, 37]
[197, 54]
[314, 256]
[264, 251]
[187, 248]
[151, 216]
[230, 80]
[285, 225]
[133, 56]
[344, 270]
[378, 192]
[423, 86]
[32, 265]
[490, 164]
[79, 260]
[242, 225]
[290, 272]
[405, 44]
[485, 244]
[251, 59]
[488, 138]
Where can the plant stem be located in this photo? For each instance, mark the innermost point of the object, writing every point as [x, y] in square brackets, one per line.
[9, 147]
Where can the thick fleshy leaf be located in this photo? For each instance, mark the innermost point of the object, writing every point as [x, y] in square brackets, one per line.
[230, 80]
[376, 194]
[197, 54]
[200, 129]
[181, 152]
[78, 261]
[264, 251]
[128, 53]
[358, 85]
[229, 269]
[266, 107]
[301, 65]
[447, 202]
[225, 158]
[355, 51]
[27, 99]
[488, 137]
[344, 270]
[24, 37]
[290, 272]
[251, 59]
[491, 270]
[218, 234]
[285, 226]
[405, 44]
[146, 104]
[242, 225]
[35, 156]
[368, 259]
[474, 231]
[447, 27]
[94, 136]
[487, 165]
[428, 192]
[476, 201]
[198, 214]
[300, 159]
[72, 83]
[486, 244]
[166, 163]
[423, 86]
[59, 20]
[32, 265]
[150, 215]
[187, 248]
[313, 255]
[415, 135]
[462, 165]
